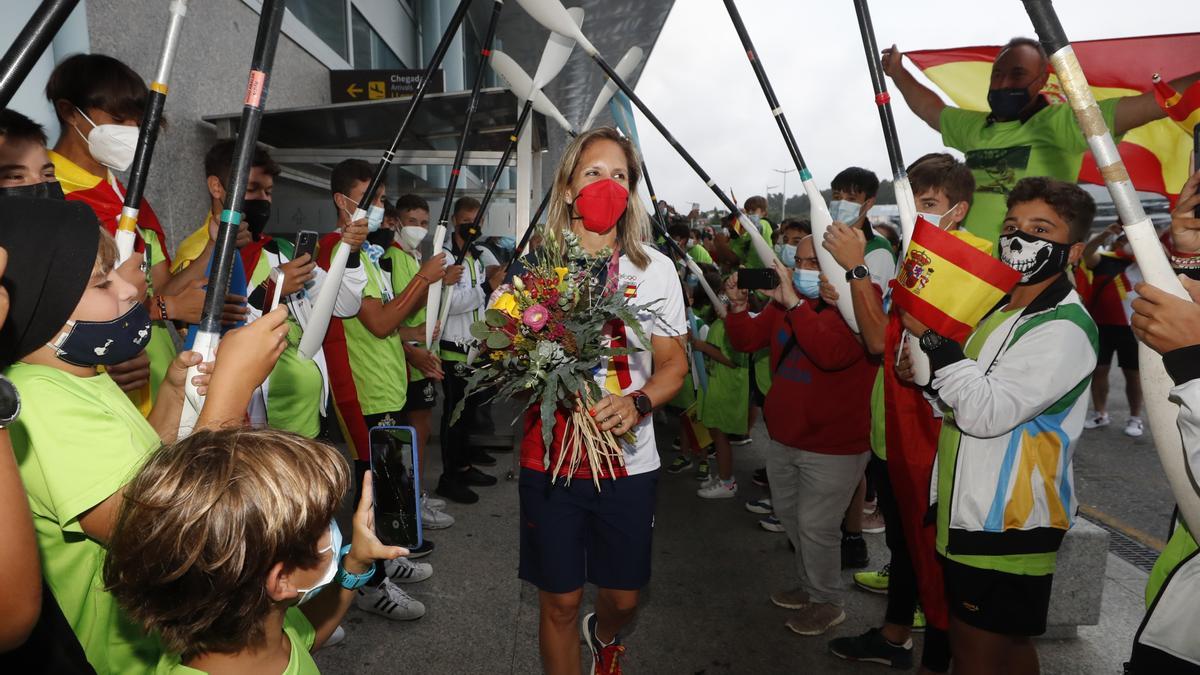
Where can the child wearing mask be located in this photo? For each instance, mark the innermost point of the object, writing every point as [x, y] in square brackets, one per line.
[817, 416]
[79, 438]
[227, 549]
[28, 171]
[725, 404]
[1013, 395]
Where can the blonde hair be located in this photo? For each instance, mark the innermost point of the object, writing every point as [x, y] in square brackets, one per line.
[633, 229]
[203, 522]
[106, 253]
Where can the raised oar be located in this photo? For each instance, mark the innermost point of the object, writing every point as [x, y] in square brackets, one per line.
[318, 321]
[554, 57]
[818, 211]
[225, 249]
[436, 298]
[552, 15]
[148, 134]
[625, 68]
[29, 45]
[1152, 261]
[529, 230]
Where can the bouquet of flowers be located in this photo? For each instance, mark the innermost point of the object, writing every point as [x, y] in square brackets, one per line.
[546, 335]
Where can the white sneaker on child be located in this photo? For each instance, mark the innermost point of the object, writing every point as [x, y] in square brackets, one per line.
[338, 637]
[433, 502]
[405, 571]
[1096, 420]
[718, 489]
[1134, 427]
[389, 600]
[434, 519]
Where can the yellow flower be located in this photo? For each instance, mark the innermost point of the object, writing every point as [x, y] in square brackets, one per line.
[562, 273]
[507, 303]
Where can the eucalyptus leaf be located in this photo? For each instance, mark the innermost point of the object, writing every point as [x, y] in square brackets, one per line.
[498, 341]
[495, 318]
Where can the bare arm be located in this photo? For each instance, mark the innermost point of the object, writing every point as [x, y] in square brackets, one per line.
[712, 352]
[22, 602]
[1091, 250]
[1134, 111]
[922, 100]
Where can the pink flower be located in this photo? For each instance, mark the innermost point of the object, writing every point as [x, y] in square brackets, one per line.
[535, 317]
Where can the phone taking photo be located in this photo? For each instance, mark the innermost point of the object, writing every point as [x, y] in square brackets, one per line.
[277, 277]
[757, 279]
[306, 242]
[394, 471]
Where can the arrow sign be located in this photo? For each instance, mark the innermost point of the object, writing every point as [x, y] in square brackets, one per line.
[354, 90]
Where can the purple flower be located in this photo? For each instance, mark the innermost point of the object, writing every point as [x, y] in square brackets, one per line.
[535, 317]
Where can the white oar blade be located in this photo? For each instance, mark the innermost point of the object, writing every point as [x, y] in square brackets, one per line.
[555, 18]
[519, 83]
[624, 68]
[558, 50]
[543, 105]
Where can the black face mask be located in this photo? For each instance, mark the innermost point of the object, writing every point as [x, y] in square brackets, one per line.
[50, 189]
[256, 212]
[1007, 104]
[1035, 258]
[382, 237]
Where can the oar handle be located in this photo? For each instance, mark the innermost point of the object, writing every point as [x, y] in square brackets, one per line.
[322, 311]
[206, 346]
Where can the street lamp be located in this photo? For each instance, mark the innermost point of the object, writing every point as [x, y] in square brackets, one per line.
[783, 208]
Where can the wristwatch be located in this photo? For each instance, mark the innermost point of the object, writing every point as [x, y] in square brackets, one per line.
[857, 273]
[10, 402]
[931, 341]
[642, 403]
[348, 580]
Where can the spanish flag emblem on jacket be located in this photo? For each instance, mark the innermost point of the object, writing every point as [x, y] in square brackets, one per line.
[950, 281]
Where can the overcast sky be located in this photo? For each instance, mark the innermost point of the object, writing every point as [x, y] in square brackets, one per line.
[699, 83]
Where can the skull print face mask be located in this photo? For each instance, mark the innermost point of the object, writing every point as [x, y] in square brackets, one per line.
[1035, 258]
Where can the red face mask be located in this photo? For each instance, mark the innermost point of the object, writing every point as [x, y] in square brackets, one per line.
[601, 204]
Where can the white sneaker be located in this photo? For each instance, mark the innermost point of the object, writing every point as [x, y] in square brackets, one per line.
[760, 506]
[718, 489]
[1096, 420]
[1134, 427]
[434, 519]
[389, 600]
[338, 637]
[405, 571]
[432, 502]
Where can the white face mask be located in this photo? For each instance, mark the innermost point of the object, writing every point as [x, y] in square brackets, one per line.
[690, 244]
[411, 237]
[787, 254]
[112, 145]
[335, 545]
[844, 211]
[374, 217]
[933, 218]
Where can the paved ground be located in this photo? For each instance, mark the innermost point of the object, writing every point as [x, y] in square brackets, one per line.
[706, 610]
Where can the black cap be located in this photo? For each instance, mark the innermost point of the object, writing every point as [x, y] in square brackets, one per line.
[51, 249]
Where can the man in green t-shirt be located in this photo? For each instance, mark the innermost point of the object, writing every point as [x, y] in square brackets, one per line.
[1023, 134]
[686, 239]
[741, 243]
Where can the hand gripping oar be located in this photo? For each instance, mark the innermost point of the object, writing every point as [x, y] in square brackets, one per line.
[29, 45]
[318, 321]
[818, 211]
[625, 67]
[553, 16]
[235, 194]
[554, 57]
[148, 134]
[437, 296]
[1152, 261]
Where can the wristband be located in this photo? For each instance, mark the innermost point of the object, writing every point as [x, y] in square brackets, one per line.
[798, 303]
[162, 307]
[349, 580]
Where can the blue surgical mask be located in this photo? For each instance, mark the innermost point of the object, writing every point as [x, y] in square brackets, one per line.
[807, 282]
[104, 343]
[374, 217]
[787, 254]
[844, 211]
[335, 546]
[506, 244]
[933, 218]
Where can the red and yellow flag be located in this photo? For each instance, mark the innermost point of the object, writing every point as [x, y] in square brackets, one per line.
[1183, 108]
[1156, 155]
[950, 281]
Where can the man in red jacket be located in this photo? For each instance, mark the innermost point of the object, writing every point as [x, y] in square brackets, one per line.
[818, 416]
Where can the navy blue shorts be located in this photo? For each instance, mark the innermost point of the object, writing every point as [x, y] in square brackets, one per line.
[571, 534]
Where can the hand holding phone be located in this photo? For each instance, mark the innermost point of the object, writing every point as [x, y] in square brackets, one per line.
[394, 472]
[306, 242]
[757, 279]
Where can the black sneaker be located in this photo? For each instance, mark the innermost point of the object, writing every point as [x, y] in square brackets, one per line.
[481, 458]
[872, 647]
[421, 551]
[854, 552]
[475, 477]
[456, 491]
[760, 477]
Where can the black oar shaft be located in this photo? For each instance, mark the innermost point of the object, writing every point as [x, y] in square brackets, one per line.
[29, 45]
[515, 136]
[460, 154]
[257, 88]
[789, 139]
[529, 230]
[879, 84]
[439, 53]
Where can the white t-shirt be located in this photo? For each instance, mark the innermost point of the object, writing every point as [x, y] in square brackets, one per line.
[659, 281]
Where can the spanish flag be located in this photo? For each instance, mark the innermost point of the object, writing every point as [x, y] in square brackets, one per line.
[1183, 108]
[1156, 154]
[949, 281]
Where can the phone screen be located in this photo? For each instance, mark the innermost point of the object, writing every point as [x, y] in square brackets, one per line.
[757, 279]
[397, 496]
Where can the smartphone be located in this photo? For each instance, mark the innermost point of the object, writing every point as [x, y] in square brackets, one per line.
[394, 473]
[306, 242]
[277, 277]
[757, 279]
